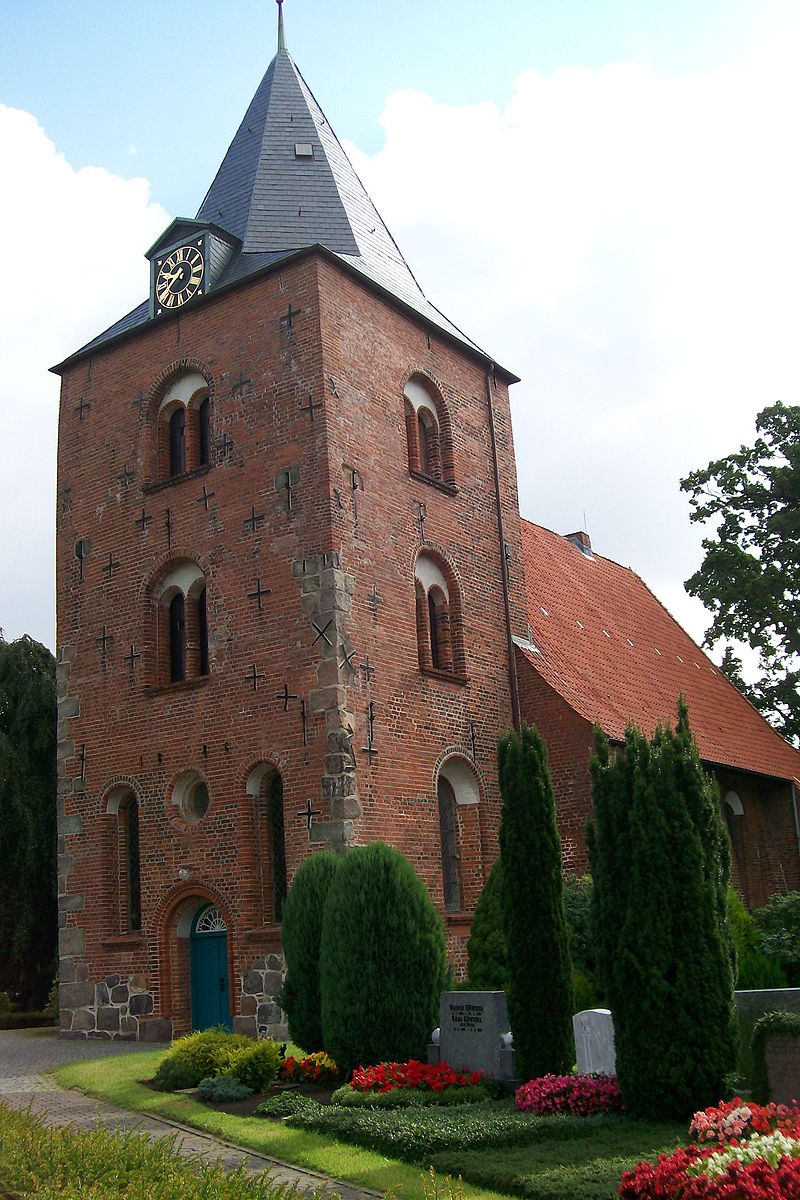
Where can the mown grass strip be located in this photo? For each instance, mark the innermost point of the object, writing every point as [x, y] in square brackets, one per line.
[116, 1081]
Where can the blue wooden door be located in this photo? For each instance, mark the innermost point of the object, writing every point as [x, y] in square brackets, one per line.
[208, 960]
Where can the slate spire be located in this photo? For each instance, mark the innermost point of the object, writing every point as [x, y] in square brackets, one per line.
[281, 31]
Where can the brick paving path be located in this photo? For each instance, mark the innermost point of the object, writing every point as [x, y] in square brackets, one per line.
[26, 1054]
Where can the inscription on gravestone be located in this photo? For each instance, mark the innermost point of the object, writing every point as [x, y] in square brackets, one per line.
[473, 1034]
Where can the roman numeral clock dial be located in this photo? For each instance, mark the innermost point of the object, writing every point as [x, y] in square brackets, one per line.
[179, 278]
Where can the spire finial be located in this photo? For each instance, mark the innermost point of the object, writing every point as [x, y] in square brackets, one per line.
[281, 33]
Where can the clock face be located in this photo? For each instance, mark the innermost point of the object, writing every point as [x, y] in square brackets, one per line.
[179, 277]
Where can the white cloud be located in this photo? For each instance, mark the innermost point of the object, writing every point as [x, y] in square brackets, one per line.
[629, 244]
[73, 263]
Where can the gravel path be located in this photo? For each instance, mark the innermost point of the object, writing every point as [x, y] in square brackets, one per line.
[26, 1054]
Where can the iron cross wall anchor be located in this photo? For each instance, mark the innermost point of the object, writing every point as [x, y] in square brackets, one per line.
[309, 813]
[131, 659]
[258, 593]
[253, 677]
[422, 514]
[370, 749]
[111, 566]
[253, 522]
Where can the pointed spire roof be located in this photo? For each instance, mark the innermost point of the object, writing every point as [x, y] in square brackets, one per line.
[285, 185]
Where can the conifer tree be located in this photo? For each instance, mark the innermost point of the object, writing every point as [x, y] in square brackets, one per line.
[660, 866]
[301, 935]
[540, 978]
[487, 956]
[382, 961]
[28, 916]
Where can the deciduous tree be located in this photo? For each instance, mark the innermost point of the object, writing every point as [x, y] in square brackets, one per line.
[28, 924]
[750, 575]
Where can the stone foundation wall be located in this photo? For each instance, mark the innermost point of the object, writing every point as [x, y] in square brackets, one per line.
[117, 1007]
[261, 1015]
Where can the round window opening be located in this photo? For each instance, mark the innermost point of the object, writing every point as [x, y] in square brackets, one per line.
[190, 797]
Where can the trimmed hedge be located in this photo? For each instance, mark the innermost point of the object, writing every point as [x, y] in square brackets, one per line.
[414, 1134]
[767, 1026]
[347, 1097]
[26, 1020]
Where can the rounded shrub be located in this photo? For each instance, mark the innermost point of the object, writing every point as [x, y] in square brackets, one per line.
[209, 1052]
[257, 1065]
[382, 960]
[173, 1075]
[301, 933]
[286, 1104]
[223, 1089]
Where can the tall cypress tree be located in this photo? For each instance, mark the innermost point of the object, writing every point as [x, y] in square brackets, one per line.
[539, 971]
[28, 922]
[659, 862]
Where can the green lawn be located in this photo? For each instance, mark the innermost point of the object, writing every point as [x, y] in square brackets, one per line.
[561, 1158]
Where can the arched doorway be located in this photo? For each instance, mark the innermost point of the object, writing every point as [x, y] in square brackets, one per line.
[208, 969]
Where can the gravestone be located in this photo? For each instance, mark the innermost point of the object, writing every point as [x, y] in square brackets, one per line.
[473, 1034]
[594, 1042]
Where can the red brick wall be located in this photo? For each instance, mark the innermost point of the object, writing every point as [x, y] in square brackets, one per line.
[569, 743]
[350, 354]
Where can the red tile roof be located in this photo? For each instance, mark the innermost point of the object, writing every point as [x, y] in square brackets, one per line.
[612, 651]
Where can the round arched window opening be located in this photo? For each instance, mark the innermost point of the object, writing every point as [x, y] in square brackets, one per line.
[190, 797]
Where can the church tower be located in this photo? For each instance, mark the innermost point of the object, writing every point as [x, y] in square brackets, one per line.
[288, 575]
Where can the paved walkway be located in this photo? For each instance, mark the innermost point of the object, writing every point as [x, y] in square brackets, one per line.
[26, 1054]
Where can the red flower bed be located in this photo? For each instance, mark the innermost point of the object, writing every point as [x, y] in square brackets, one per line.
[740, 1118]
[429, 1077]
[579, 1095]
[734, 1124]
[667, 1180]
[315, 1068]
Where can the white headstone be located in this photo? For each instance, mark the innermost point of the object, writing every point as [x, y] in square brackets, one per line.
[594, 1042]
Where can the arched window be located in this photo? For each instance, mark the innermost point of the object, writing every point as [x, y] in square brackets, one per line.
[177, 638]
[204, 436]
[181, 633]
[430, 454]
[266, 787]
[185, 425]
[129, 828]
[448, 837]
[458, 800]
[177, 442]
[439, 641]
[202, 634]
[124, 806]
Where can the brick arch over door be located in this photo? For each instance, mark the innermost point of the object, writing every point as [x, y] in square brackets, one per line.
[172, 923]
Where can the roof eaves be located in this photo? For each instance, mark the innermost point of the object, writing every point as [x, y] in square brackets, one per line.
[94, 346]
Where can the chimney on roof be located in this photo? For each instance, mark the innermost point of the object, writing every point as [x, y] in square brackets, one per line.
[582, 541]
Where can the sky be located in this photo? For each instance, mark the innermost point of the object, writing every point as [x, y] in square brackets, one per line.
[603, 195]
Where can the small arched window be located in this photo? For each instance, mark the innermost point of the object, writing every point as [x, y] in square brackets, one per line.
[177, 638]
[185, 426]
[202, 634]
[430, 454]
[203, 433]
[439, 641]
[181, 632]
[266, 787]
[177, 442]
[458, 797]
[448, 838]
[123, 803]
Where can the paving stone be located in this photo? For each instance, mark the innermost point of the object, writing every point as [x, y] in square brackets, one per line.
[25, 1054]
